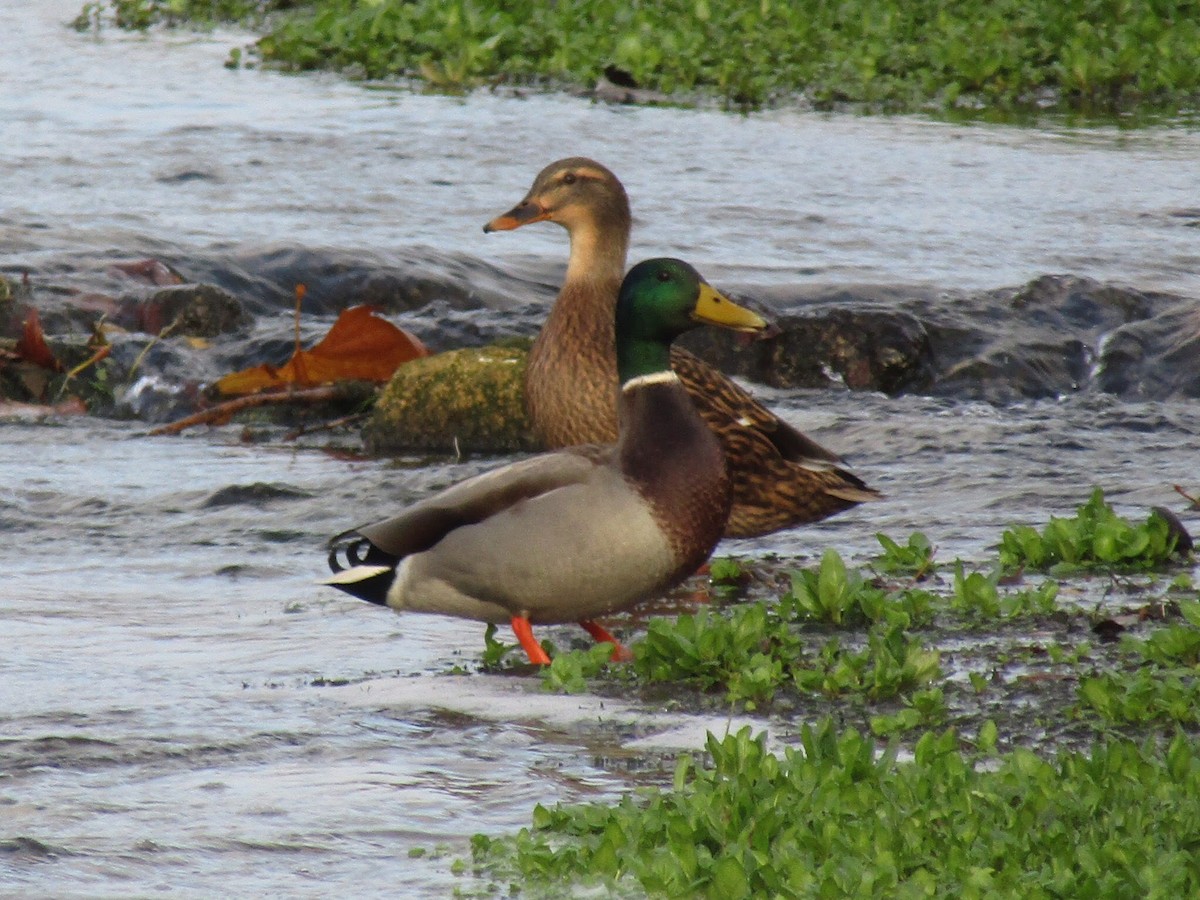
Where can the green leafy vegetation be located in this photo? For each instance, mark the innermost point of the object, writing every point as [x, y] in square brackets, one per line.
[882, 649]
[1096, 56]
[1164, 684]
[914, 558]
[727, 578]
[1096, 538]
[569, 671]
[978, 594]
[833, 594]
[973, 668]
[924, 709]
[752, 653]
[836, 818]
[748, 652]
[494, 651]
[1143, 696]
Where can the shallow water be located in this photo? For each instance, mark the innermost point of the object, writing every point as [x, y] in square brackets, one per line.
[170, 705]
[127, 141]
[183, 710]
[164, 720]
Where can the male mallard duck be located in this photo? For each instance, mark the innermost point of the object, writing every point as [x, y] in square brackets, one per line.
[578, 533]
[780, 477]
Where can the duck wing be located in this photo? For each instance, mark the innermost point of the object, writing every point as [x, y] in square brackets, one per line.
[780, 476]
[469, 502]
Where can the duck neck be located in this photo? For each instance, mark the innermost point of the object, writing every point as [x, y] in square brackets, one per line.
[598, 254]
[643, 362]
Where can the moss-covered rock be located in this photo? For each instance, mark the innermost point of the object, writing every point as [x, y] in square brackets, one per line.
[470, 401]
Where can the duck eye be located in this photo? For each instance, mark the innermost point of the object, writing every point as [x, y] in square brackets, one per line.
[664, 276]
[569, 178]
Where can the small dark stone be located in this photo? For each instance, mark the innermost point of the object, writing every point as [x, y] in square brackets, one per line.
[1183, 540]
[255, 494]
[1108, 630]
[195, 310]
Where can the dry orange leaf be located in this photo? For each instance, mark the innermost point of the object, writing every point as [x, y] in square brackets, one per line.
[359, 347]
[32, 346]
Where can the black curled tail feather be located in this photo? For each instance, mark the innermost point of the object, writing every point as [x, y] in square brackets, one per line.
[350, 549]
[370, 571]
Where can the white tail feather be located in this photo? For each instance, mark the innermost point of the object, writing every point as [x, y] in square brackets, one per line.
[355, 574]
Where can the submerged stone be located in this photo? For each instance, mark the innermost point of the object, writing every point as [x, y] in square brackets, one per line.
[465, 401]
[1054, 336]
[197, 310]
[868, 349]
[1154, 359]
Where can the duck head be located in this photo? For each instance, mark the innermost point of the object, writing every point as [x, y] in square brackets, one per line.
[660, 299]
[588, 201]
[572, 192]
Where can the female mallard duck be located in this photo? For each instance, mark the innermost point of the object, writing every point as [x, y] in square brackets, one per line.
[780, 477]
[578, 533]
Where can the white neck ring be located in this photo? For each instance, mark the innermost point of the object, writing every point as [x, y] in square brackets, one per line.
[666, 377]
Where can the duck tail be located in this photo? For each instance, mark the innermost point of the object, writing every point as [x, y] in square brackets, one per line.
[368, 583]
[360, 568]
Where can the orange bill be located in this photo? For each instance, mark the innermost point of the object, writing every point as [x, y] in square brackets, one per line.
[523, 213]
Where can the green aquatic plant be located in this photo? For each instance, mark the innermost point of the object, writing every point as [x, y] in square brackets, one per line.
[914, 558]
[725, 570]
[833, 593]
[727, 578]
[891, 664]
[1162, 685]
[1010, 54]
[569, 670]
[924, 709]
[495, 651]
[1143, 696]
[1095, 538]
[837, 818]
[142, 14]
[978, 594]
[1176, 644]
[754, 650]
[748, 651]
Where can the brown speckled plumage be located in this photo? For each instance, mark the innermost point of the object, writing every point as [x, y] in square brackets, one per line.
[780, 477]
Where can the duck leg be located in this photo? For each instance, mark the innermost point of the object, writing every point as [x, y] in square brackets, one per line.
[602, 635]
[524, 632]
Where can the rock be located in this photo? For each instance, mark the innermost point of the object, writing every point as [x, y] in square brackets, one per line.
[1156, 358]
[1054, 336]
[405, 280]
[195, 310]
[863, 349]
[23, 382]
[1034, 342]
[465, 401]
[1043, 339]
